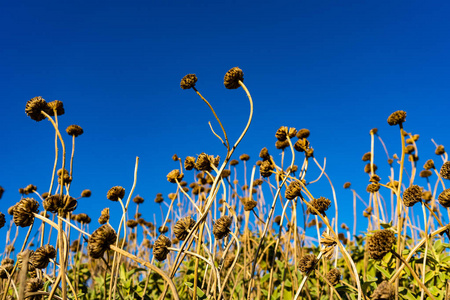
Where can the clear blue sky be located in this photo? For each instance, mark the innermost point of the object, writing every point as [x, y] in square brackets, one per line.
[338, 68]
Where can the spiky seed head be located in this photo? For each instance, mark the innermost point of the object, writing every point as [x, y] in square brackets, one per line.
[232, 78]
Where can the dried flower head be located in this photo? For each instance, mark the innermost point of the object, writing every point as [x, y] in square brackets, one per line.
[234, 162]
[444, 198]
[2, 190]
[29, 189]
[307, 263]
[293, 190]
[282, 133]
[301, 145]
[367, 156]
[333, 276]
[329, 243]
[34, 107]
[104, 217]
[384, 291]
[115, 193]
[6, 267]
[303, 133]
[138, 199]
[221, 227]
[277, 219]
[56, 106]
[163, 229]
[159, 198]
[249, 203]
[228, 261]
[375, 178]
[204, 162]
[2, 220]
[445, 170]
[380, 243]
[429, 164]
[34, 285]
[427, 196]
[439, 150]
[75, 246]
[281, 145]
[23, 212]
[264, 154]
[132, 223]
[347, 185]
[320, 204]
[244, 157]
[232, 78]
[86, 193]
[266, 168]
[373, 187]
[396, 118]
[182, 227]
[425, 173]
[188, 81]
[175, 176]
[367, 168]
[100, 240]
[160, 250]
[42, 256]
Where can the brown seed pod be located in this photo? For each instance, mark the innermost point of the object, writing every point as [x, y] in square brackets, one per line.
[104, 217]
[234, 162]
[367, 156]
[23, 212]
[397, 117]
[56, 106]
[7, 266]
[301, 145]
[182, 227]
[174, 176]
[221, 227]
[244, 157]
[380, 243]
[34, 107]
[52, 203]
[292, 170]
[266, 168]
[29, 189]
[42, 256]
[375, 178]
[264, 154]
[228, 261]
[100, 240]
[74, 130]
[384, 291]
[189, 163]
[427, 196]
[204, 162]
[132, 223]
[82, 218]
[321, 204]
[439, 150]
[75, 246]
[293, 190]
[2, 220]
[282, 133]
[34, 285]
[444, 198]
[2, 190]
[277, 219]
[429, 164]
[115, 193]
[249, 204]
[425, 173]
[86, 193]
[373, 188]
[20, 262]
[334, 276]
[281, 145]
[188, 81]
[160, 250]
[307, 263]
[412, 195]
[347, 185]
[409, 149]
[303, 133]
[367, 168]
[163, 229]
[138, 199]
[159, 198]
[232, 78]
[445, 170]
[225, 173]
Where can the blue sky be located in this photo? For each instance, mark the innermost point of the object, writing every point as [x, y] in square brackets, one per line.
[338, 68]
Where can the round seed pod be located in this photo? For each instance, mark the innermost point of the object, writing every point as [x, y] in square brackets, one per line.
[34, 107]
[232, 78]
[6, 267]
[445, 170]
[34, 285]
[174, 176]
[163, 229]
[115, 193]
[307, 263]
[303, 133]
[373, 188]
[266, 168]
[225, 173]
[74, 130]
[282, 133]
[264, 154]
[429, 164]
[234, 162]
[281, 145]
[175, 157]
[100, 240]
[384, 291]
[75, 246]
[444, 198]
[334, 276]
[380, 243]
[221, 227]
[104, 217]
[2, 220]
[23, 212]
[367, 168]
[427, 196]
[189, 163]
[277, 219]
[42, 256]
[293, 190]
[159, 198]
[160, 250]
[228, 261]
[29, 189]
[367, 156]
[409, 149]
[375, 178]
[425, 173]
[412, 195]
[321, 204]
[182, 227]
[56, 106]
[440, 150]
[301, 145]
[244, 157]
[138, 199]
[397, 117]
[203, 162]
[132, 223]
[249, 204]
[347, 185]
[86, 193]
[188, 81]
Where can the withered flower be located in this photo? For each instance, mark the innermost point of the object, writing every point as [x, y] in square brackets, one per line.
[429, 164]
[204, 162]
[100, 240]
[138, 199]
[347, 185]
[244, 157]
[86, 193]
[2, 220]
[384, 291]
[132, 223]
[189, 163]
[23, 212]
[367, 156]
[74, 130]
[232, 78]
[115, 193]
[301, 145]
[29, 189]
[425, 173]
[34, 107]
[282, 133]
[264, 154]
[188, 81]
[6, 267]
[439, 150]
[367, 168]
[221, 227]
[303, 134]
[320, 204]
[427, 195]
[174, 176]
[234, 162]
[397, 117]
[307, 263]
[182, 227]
[266, 168]
[34, 285]
[444, 198]
[1, 192]
[228, 261]
[329, 243]
[380, 243]
[104, 217]
[373, 187]
[277, 219]
[75, 246]
[281, 145]
[159, 198]
[445, 170]
[42, 256]
[56, 106]
[249, 203]
[163, 229]
[333, 276]
[160, 250]
[293, 190]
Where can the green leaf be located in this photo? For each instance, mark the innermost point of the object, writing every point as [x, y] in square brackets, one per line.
[265, 278]
[429, 275]
[383, 271]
